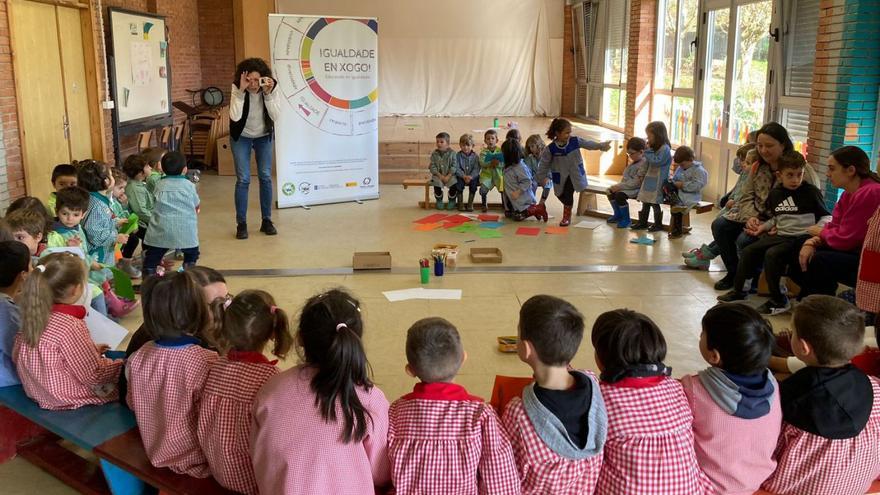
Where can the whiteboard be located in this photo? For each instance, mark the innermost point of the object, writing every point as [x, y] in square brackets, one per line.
[142, 74]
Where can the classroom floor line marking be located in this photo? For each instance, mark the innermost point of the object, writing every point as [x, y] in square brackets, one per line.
[304, 272]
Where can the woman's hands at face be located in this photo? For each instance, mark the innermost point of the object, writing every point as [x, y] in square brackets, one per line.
[270, 85]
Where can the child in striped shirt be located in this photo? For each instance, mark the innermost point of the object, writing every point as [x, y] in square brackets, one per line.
[58, 364]
[558, 428]
[440, 438]
[174, 222]
[244, 325]
[830, 440]
[166, 377]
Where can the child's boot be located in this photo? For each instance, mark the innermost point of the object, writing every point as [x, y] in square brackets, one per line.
[566, 216]
[460, 198]
[624, 220]
[127, 267]
[541, 210]
[697, 262]
[616, 217]
[439, 201]
[485, 203]
[470, 203]
[642, 223]
[676, 231]
[657, 226]
[116, 306]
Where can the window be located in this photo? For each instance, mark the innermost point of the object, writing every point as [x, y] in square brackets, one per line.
[800, 54]
[673, 100]
[606, 35]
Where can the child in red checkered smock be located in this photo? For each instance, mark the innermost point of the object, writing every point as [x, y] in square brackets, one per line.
[244, 325]
[58, 364]
[830, 441]
[868, 284]
[440, 438]
[650, 444]
[735, 402]
[322, 427]
[167, 375]
[558, 428]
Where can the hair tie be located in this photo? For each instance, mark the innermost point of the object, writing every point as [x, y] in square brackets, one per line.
[42, 268]
[226, 303]
[341, 326]
[272, 309]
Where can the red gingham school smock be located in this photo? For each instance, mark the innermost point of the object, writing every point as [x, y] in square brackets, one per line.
[808, 464]
[224, 424]
[295, 451]
[65, 370]
[165, 383]
[441, 440]
[868, 284]
[650, 445]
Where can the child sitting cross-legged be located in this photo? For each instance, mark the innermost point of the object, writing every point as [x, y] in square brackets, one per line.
[58, 364]
[830, 440]
[440, 438]
[735, 400]
[558, 428]
[650, 444]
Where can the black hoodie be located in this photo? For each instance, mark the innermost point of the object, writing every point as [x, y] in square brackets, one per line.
[833, 403]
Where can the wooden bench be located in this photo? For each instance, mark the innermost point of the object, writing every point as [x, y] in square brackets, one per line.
[588, 203]
[429, 202]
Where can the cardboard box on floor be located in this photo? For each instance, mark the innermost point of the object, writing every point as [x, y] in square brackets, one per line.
[225, 163]
[371, 261]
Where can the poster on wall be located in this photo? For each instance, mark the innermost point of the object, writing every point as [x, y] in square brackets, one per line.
[327, 137]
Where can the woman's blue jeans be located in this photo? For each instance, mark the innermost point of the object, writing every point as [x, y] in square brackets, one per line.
[241, 155]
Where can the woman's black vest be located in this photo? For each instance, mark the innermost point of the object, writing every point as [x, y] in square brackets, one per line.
[237, 127]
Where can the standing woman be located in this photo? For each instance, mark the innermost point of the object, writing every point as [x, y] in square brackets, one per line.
[253, 110]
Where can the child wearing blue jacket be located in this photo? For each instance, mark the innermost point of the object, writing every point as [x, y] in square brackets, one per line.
[659, 158]
[687, 183]
[518, 184]
[467, 171]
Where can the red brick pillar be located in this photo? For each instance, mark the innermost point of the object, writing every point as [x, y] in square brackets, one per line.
[568, 75]
[640, 71]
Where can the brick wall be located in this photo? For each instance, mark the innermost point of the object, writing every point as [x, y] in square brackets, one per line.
[11, 169]
[218, 49]
[640, 71]
[846, 80]
[568, 75]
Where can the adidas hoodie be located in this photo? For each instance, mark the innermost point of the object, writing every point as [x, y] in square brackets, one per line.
[794, 211]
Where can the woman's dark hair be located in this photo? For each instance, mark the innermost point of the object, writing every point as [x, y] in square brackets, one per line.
[251, 65]
[92, 175]
[249, 321]
[741, 336]
[330, 331]
[553, 326]
[853, 156]
[512, 151]
[174, 305]
[556, 126]
[661, 135]
[31, 203]
[624, 338]
[777, 132]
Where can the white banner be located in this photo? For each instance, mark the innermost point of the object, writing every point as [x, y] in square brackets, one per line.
[327, 137]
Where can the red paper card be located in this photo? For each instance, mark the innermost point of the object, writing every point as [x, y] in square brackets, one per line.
[488, 218]
[456, 219]
[431, 218]
[528, 231]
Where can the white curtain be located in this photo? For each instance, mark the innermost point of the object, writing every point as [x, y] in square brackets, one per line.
[460, 57]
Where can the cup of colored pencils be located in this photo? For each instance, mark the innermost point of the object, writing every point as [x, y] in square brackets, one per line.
[424, 270]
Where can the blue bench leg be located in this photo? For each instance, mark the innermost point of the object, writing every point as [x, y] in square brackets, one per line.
[121, 482]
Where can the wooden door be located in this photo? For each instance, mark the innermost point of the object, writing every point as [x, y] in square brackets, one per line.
[40, 88]
[75, 92]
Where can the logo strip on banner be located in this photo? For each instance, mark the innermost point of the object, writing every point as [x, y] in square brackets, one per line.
[327, 136]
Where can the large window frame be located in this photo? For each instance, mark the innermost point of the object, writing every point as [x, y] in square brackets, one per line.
[674, 101]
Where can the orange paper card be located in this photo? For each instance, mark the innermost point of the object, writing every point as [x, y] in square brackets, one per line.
[556, 230]
[425, 227]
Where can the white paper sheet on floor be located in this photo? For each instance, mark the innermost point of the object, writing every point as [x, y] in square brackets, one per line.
[460, 57]
[421, 293]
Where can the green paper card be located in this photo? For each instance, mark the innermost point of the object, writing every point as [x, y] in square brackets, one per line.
[122, 285]
[488, 234]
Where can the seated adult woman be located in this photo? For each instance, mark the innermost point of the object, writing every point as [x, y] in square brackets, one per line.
[732, 231]
[832, 255]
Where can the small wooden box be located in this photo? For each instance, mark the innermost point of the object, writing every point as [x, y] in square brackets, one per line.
[371, 261]
[486, 255]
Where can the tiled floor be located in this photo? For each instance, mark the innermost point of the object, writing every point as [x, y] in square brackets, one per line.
[326, 237]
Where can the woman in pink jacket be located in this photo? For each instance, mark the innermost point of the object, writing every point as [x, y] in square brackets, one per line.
[831, 256]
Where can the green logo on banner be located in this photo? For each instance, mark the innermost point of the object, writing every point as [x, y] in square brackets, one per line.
[288, 189]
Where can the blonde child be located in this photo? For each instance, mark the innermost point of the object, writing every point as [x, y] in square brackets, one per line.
[685, 188]
[520, 196]
[244, 326]
[659, 159]
[440, 424]
[830, 440]
[558, 428]
[467, 171]
[533, 149]
[735, 401]
[322, 426]
[562, 163]
[491, 175]
[174, 221]
[59, 365]
[166, 376]
[650, 444]
[619, 194]
[63, 175]
[442, 170]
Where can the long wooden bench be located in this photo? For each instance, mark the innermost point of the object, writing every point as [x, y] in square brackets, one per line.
[588, 203]
[429, 202]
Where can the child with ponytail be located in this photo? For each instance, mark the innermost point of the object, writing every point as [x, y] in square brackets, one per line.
[59, 365]
[167, 375]
[243, 327]
[321, 427]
